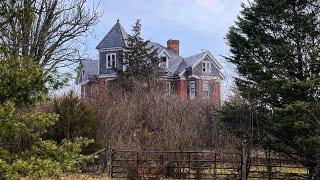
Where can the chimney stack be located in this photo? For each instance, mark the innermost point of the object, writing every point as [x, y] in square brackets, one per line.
[173, 45]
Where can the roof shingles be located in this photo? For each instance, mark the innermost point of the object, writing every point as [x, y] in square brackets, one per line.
[115, 38]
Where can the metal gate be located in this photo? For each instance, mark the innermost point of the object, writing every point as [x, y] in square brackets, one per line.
[197, 165]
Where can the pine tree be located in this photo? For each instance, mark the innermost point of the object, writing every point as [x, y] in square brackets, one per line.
[140, 58]
[275, 46]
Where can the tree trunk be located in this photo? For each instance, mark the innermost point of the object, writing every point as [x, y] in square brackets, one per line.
[269, 163]
[245, 163]
[314, 173]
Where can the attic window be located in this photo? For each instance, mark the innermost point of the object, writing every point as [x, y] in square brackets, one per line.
[111, 60]
[163, 62]
[206, 66]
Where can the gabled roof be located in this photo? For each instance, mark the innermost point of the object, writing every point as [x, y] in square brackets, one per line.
[193, 59]
[115, 38]
[89, 68]
[174, 61]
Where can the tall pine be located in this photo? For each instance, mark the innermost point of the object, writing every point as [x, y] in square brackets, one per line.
[275, 46]
[140, 58]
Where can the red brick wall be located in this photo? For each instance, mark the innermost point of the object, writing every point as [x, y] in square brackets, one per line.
[216, 93]
[86, 89]
[174, 45]
[182, 87]
[102, 88]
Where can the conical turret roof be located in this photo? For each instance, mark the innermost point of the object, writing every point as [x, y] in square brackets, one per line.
[115, 38]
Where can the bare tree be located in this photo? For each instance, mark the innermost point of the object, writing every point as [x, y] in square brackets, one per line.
[149, 119]
[49, 31]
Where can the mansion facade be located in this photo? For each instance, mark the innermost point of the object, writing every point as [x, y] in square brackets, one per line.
[189, 78]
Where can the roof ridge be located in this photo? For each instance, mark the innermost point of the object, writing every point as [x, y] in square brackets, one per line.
[167, 49]
[123, 32]
[196, 54]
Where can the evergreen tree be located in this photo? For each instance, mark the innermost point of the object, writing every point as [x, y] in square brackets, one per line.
[275, 46]
[23, 152]
[140, 58]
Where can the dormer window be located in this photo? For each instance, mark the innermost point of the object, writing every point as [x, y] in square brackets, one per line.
[163, 62]
[206, 66]
[111, 60]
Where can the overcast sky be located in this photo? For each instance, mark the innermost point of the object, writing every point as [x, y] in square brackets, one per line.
[198, 24]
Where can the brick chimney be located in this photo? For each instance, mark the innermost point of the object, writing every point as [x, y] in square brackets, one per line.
[173, 45]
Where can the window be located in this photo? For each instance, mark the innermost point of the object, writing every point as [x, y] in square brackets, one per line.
[163, 62]
[169, 88]
[111, 60]
[192, 90]
[206, 66]
[94, 90]
[83, 88]
[206, 89]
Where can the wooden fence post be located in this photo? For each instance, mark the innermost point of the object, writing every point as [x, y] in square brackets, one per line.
[111, 151]
[244, 161]
[215, 166]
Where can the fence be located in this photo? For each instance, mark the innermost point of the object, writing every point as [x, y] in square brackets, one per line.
[198, 165]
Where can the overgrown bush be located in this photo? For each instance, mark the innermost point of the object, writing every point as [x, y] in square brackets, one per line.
[77, 118]
[147, 119]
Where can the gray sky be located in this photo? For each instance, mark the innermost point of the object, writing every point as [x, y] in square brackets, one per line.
[198, 24]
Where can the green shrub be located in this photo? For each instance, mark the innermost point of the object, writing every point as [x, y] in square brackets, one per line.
[39, 158]
[77, 118]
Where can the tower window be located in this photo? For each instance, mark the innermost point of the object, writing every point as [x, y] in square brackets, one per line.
[111, 60]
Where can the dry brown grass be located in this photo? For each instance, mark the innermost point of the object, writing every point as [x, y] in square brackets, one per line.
[74, 176]
[83, 177]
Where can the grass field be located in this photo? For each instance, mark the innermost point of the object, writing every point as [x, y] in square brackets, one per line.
[83, 177]
[77, 177]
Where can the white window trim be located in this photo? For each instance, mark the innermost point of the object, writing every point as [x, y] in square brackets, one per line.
[84, 91]
[115, 59]
[206, 66]
[169, 88]
[167, 62]
[94, 90]
[192, 95]
[206, 89]
[124, 63]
